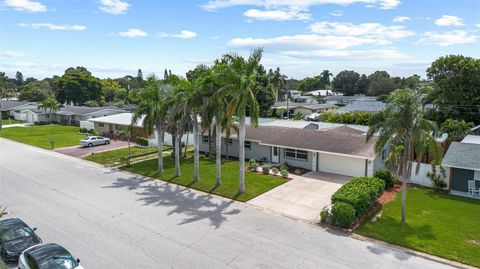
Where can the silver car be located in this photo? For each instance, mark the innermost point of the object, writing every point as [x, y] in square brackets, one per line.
[94, 141]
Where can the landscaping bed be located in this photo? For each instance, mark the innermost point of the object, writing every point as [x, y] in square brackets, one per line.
[256, 184]
[41, 136]
[113, 157]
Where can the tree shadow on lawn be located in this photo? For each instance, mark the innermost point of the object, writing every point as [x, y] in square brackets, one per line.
[184, 201]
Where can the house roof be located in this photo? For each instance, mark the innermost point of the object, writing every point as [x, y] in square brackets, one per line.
[291, 105]
[317, 106]
[301, 124]
[345, 143]
[472, 139]
[463, 155]
[11, 104]
[84, 110]
[320, 92]
[119, 119]
[362, 105]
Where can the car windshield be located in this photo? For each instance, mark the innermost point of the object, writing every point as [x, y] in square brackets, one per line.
[16, 233]
[59, 262]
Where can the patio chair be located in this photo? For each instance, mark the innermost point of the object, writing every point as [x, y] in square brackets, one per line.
[472, 189]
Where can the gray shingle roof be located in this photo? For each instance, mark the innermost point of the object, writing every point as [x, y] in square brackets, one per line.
[82, 110]
[463, 155]
[365, 106]
[8, 105]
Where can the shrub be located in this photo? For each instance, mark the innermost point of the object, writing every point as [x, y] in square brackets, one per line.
[275, 170]
[386, 176]
[284, 173]
[343, 214]
[142, 142]
[251, 162]
[283, 166]
[83, 130]
[95, 132]
[266, 169]
[297, 171]
[437, 179]
[325, 216]
[360, 192]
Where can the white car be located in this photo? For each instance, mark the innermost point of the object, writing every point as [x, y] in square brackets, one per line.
[94, 141]
[48, 256]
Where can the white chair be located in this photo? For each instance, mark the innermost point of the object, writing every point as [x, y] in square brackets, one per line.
[472, 189]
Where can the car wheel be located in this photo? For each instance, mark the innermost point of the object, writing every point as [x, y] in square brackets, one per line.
[90, 145]
[107, 142]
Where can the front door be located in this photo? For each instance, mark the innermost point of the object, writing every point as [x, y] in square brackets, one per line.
[275, 155]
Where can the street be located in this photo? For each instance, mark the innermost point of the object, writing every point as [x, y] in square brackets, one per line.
[112, 219]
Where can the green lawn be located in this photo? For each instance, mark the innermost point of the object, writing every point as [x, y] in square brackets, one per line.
[40, 136]
[6, 122]
[256, 184]
[115, 155]
[439, 224]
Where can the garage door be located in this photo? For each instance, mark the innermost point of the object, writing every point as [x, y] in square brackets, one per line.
[342, 165]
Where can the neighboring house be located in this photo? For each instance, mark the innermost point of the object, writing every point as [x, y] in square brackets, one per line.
[303, 108]
[300, 124]
[362, 106]
[16, 109]
[463, 161]
[340, 150]
[475, 130]
[71, 114]
[305, 99]
[113, 125]
[321, 93]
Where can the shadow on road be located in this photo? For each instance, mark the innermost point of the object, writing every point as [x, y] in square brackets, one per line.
[182, 200]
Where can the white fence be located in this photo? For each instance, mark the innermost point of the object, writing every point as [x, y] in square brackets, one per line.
[187, 139]
[422, 179]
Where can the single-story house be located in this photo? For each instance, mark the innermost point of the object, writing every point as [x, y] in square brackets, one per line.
[305, 99]
[340, 150]
[72, 114]
[320, 92]
[16, 109]
[303, 108]
[111, 126]
[362, 106]
[463, 161]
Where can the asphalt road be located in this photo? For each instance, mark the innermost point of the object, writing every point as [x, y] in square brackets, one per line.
[112, 219]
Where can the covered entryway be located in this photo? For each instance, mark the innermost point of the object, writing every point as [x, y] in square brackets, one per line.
[340, 164]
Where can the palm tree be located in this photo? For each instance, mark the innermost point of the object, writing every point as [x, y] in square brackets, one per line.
[278, 80]
[402, 126]
[49, 104]
[240, 77]
[153, 111]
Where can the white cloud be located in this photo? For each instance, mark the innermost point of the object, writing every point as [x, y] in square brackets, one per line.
[20, 65]
[336, 13]
[213, 5]
[12, 54]
[55, 27]
[371, 30]
[114, 6]
[478, 25]
[186, 34]
[447, 38]
[133, 32]
[448, 20]
[348, 54]
[401, 19]
[278, 15]
[26, 5]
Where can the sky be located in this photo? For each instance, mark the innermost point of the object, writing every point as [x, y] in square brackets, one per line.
[114, 38]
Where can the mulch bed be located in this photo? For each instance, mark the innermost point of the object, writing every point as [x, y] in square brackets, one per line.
[389, 195]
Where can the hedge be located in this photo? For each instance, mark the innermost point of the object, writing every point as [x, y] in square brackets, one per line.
[343, 214]
[386, 176]
[360, 192]
[142, 142]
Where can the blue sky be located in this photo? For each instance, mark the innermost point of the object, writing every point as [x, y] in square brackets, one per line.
[113, 38]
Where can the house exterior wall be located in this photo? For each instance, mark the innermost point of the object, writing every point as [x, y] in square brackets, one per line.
[306, 164]
[303, 111]
[459, 179]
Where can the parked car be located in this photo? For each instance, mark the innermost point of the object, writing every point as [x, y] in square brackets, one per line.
[15, 237]
[48, 256]
[94, 141]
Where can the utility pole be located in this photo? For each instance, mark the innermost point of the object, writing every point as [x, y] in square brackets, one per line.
[288, 108]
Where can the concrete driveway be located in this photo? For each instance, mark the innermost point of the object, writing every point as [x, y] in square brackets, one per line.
[303, 197]
[80, 152]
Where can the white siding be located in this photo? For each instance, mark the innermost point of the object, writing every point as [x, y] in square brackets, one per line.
[422, 179]
[342, 165]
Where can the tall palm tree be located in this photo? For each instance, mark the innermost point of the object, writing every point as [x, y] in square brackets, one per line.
[240, 77]
[402, 126]
[50, 105]
[153, 111]
[278, 80]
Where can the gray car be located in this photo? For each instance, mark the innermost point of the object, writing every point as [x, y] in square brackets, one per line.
[94, 141]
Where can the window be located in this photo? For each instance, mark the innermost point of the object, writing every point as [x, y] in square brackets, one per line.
[230, 141]
[476, 175]
[384, 154]
[100, 124]
[204, 139]
[248, 145]
[296, 154]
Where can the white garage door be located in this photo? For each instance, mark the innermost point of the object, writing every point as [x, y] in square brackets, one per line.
[342, 165]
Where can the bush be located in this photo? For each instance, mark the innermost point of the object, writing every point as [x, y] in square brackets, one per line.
[284, 173]
[275, 170]
[325, 216]
[360, 192]
[386, 176]
[283, 166]
[142, 142]
[343, 214]
[266, 169]
[297, 171]
[437, 179]
[252, 164]
[41, 123]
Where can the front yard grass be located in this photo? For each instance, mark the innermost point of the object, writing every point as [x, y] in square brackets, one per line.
[11, 121]
[40, 136]
[440, 224]
[116, 155]
[256, 184]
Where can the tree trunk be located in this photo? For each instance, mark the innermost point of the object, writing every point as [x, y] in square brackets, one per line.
[177, 156]
[218, 155]
[226, 148]
[186, 148]
[160, 135]
[209, 142]
[241, 152]
[196, 154]
[405, 177]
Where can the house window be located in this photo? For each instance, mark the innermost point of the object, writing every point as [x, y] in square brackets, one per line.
[204, 139]
[100, 124]
[230, 141]
[248, 145]
[476, 176]
[296, 154]
[384, 154]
